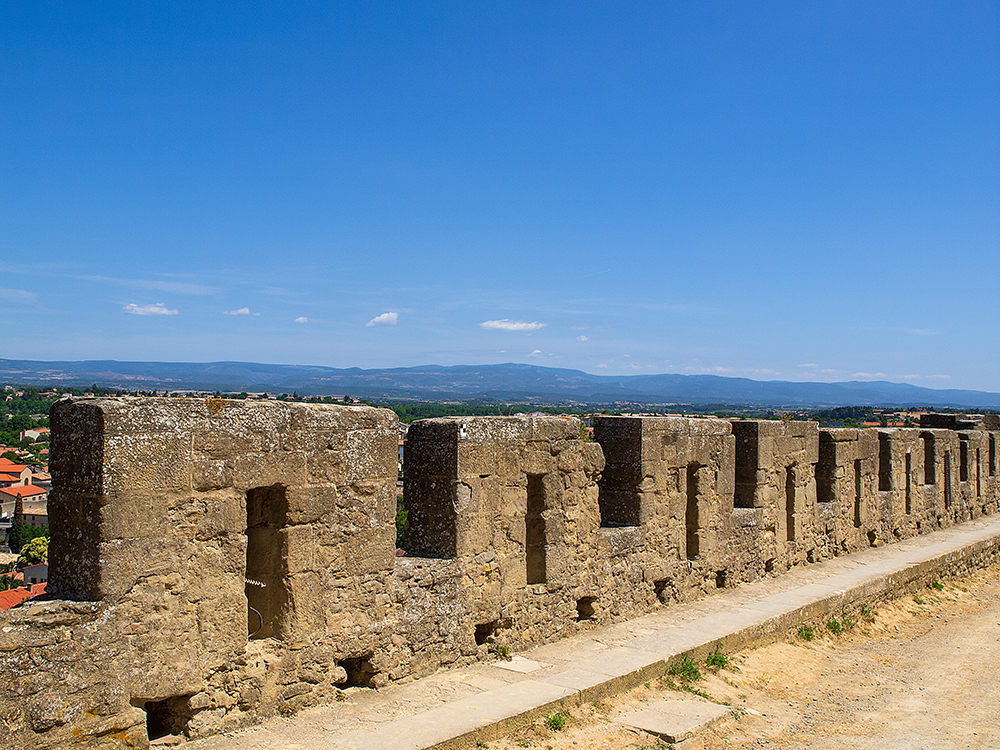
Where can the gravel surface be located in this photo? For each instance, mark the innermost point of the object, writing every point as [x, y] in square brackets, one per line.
[917, 673]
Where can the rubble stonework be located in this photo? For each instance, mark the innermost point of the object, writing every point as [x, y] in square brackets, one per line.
[215, 562]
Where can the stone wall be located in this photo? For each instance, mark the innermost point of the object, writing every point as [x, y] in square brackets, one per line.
[215, 562]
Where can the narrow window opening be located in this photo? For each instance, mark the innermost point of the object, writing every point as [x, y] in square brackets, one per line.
[790, 503]
[963, 461]
[661, 589]
[930, 475]
[947, 479]
[873, 538]
[746, 466]
[826, 472]
[167, 717]
[857, 493]
[691, 516]
[909, 479]
[769, 565]
[534, 522]
[993, 456]
[266, 566]
[720, 579]
[884, 463]
[360, 672]
[585, 608]
[979, 478]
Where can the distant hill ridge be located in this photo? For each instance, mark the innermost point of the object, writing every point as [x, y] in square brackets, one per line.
[504, 382]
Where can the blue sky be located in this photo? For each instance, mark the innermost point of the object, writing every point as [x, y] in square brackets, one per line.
[782, 190]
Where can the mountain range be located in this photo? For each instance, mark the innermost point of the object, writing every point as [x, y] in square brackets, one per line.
[506, 382]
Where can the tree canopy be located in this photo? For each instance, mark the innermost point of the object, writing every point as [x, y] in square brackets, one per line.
[34, 552]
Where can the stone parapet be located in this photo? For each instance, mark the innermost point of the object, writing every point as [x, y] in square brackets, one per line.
[215, 562]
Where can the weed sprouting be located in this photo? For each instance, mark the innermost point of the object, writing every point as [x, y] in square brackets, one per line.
[556, 721]
[835, 626]
[917, 599]
[806, 633]
[503, 652]
[695, 691]
[867, 613]
[937, 585]
[687, 670]
[717, 660]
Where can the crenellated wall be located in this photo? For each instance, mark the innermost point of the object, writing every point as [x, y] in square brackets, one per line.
[215, 562]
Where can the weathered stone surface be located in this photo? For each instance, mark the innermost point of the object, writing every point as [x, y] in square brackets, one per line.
[223, 561]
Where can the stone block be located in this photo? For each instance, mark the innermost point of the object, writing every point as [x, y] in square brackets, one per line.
[371, 454]
[265, 470]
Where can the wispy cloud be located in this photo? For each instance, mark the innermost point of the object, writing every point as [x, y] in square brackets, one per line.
[511, 325]
[717, 368]
[536, 353]
[158, 309]
[302, 319]
[241, 311]
[868, 375]
[385, 319]
[16, 297]
[174, 287]
[808, 364]
[581, 338]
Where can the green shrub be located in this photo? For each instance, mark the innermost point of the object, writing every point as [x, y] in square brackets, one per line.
[687, 670]
[717, 660]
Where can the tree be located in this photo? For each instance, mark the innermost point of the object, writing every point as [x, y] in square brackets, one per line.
[21, 422]
[34, 552]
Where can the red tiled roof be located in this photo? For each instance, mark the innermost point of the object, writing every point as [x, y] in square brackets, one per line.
[26, 491]
[13, 597]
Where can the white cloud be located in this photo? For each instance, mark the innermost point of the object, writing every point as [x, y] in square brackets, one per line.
[536, 353]
[302, 319]
[17, 296]
[581, 338]
[158, 309]
[809, 364]
[510, 325]
[174, 287]
[869, 375]
[385, 319]
[939, 377]
[241, 311]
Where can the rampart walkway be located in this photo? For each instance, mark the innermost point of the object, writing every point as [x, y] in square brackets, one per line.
[455, 708]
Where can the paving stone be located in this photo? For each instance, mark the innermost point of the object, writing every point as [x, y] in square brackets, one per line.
[675, 721]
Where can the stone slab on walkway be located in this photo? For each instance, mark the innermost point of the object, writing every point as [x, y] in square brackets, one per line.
[455, 708]
[675, 721]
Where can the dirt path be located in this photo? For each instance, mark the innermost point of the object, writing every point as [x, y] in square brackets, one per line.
[920, 672]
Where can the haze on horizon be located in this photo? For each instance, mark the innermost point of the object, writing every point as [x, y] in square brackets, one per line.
[790, 192]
